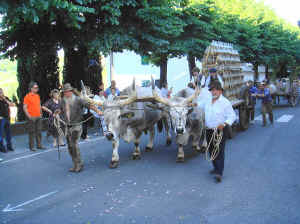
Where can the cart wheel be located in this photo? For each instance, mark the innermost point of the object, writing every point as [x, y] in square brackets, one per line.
[244, 118]
[231, 131]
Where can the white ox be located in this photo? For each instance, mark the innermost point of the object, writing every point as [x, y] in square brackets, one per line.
[128, 120]
[186, 121]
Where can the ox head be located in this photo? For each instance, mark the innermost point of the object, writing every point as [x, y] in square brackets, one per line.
[178, 109]
[113, 112]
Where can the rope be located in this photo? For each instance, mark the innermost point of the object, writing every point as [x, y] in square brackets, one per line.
[216, 138]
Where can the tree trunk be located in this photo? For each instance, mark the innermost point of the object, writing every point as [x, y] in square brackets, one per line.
[192, 64]
[79, 65]
[94, 70]
[46, 72]
[25, 75]
[76, 61]
[163, 70]
[267, 72]
[256, 74]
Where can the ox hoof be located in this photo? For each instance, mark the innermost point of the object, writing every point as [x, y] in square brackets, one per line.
[168, 142]
[113, 164]
[203, 149]
[180, 160]
[136, 157]
[196, 148]
[148, 149]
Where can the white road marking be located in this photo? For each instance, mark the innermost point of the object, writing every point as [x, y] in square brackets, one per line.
[285, 118]
[282, 119]
[258, 118]
[50, 150]
[17, 208]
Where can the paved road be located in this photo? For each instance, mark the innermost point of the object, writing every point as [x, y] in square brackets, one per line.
[261, 182]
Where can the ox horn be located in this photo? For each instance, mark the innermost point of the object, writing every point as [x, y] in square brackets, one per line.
[85, 96]
[159, 98]
[192, 97]
[133, 84]
[152, 83]
[131, 99]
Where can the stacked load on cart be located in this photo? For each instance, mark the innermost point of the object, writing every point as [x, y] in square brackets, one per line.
[226, 60]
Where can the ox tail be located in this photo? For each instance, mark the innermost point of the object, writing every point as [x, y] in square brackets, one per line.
[160, 125]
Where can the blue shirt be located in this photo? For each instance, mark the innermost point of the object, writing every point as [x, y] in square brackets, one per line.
[267, 95]
[253, 90]
[108, 92]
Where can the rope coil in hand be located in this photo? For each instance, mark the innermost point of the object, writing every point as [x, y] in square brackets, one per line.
[216, 139]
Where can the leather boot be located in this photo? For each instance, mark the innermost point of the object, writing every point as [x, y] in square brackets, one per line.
[2, 148]
[31, 142]
[39, 141]
[9, 147]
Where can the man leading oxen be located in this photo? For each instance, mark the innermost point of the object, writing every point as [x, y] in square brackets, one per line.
[128, 120]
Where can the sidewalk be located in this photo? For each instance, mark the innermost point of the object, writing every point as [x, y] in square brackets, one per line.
[20, 143]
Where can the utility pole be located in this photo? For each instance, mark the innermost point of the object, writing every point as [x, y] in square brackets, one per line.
[112, 69]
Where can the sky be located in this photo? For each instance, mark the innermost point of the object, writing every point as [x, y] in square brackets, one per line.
[289, 10]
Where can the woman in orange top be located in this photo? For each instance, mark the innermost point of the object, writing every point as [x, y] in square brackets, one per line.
[32, 109]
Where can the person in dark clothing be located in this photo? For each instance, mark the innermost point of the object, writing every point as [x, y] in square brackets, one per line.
[252, 91]
[50, 107]
[5, 103]
[264, 94]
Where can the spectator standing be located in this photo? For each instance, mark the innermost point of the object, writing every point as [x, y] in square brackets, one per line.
[112, 86]
[32, 109]
[50, 107]
[252, 91]
[100, 98]
[5, 103]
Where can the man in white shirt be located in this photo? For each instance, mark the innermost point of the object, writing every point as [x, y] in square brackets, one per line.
[218, 114]
[213, 76]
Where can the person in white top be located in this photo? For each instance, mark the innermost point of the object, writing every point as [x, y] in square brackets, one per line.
[218, 115]
[213, 76]
[100, 98]
[164, 90]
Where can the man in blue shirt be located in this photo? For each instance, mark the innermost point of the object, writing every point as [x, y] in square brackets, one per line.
[264, 94]
[252, 91]
[112, 86]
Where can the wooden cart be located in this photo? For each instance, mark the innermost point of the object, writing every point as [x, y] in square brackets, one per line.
[226, 60]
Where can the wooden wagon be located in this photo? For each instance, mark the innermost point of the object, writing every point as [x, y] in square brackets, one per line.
[285, 88]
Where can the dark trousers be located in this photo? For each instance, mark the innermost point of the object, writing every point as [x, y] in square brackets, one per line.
[34, 126]
[218, 162]
[73, 135]
[252, 111]
[267, 108]
[5, 129]
[85, 126]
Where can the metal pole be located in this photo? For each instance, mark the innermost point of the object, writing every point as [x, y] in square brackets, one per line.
[112, 72]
